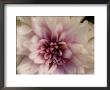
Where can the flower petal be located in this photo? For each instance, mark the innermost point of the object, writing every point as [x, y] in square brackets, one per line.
[31, 43]
[77, 19]
[35, 58]
[59, 70]
[40, 27]
[69, 68]
[68, 53]
[27, 67]
[52, 69]
[44, 68]
[23, 30]
[80, 70]
[81, 33]
[78, 49]
[25, 20]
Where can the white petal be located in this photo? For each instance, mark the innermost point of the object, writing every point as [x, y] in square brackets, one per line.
[22, 51]
[23, 30]
[36, 25]
[78, 49]
[24, 20]
[31, 43]
[35, 58]
[27, 43]
[59, 27]
[44, 68]
[33, 55]
[38, 60]
[80, 70]
[34, 39]
[77, 19]
[27, 67]
[81, 32]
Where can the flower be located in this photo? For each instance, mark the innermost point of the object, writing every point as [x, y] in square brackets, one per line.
[54, 45]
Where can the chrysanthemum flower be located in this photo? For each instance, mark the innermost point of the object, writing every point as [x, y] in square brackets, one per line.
[54, 45]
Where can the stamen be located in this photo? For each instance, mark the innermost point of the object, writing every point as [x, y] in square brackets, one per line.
[52, 51]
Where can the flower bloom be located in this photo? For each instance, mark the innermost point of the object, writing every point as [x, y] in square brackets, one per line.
[54, 45]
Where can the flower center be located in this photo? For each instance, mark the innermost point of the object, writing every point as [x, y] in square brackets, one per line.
[52, 51]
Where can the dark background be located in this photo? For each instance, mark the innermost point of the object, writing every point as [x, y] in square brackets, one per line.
[88, 18]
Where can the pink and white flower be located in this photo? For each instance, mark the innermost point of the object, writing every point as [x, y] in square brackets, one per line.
[54, 45]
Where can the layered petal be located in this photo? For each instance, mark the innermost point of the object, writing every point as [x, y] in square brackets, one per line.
[55, 45]
[36, 58]
[27, 67]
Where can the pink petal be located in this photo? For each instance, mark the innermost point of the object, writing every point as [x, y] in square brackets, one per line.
[67, 53]
[52, 69]
[22, 51]
[69, 68]
[68, 35]
[40, 27]
[35, 58]
[59, 70]
[35, 26]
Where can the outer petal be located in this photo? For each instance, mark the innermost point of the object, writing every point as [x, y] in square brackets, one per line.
[75, 33]
[44, 68]
[23, 30]
[78, 49]
[25, 20]
[40, 27]
[69, 68]
[36, 58]
[52, 69]
[21, 50]
[27, 67]
[19, 59]
[68, 53]
[59, 70]
[84, 63]
[80, 32]
[31, 43]
[23, 34]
